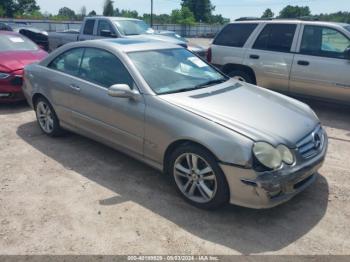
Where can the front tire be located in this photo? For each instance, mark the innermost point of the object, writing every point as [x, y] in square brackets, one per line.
[198, 177]
[47, 118]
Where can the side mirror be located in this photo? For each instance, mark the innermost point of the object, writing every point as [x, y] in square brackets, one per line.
[347, 53]
[122, 91]
[107, 33]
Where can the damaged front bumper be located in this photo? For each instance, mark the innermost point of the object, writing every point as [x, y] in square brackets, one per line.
[267, 189]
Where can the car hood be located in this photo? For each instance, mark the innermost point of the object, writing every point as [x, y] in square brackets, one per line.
[159, 37]
[257, 113]
[14, 60]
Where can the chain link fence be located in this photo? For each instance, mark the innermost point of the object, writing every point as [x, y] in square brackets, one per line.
[198, 30]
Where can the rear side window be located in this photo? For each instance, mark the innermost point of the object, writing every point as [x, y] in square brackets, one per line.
[89, 27]
[234, 35]
[323, 41]
[68, 62]
[276, 37]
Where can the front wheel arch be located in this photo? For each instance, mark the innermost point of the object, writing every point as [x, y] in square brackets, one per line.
[228, 68]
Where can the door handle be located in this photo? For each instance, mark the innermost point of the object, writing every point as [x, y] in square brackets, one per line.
[254, 56]
[303, 63]
[75, 87]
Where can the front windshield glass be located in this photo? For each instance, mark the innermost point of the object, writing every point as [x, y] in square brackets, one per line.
[13, 42]
[174, 70]
[132, 27]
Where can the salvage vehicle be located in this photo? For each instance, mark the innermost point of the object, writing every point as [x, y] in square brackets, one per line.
[97, 27]
[295, 57]
[16, 51]
[219, 139]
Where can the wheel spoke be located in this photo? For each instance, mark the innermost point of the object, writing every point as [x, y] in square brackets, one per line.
[202, 192]
[194, 162]
[210, 177]
[182, 169]
[205, 171]
[187, 185]
[205, 188]
[189, 161]
[193, 187]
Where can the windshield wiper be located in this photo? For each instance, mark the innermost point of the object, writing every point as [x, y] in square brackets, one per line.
[211, 82]
[206, 84]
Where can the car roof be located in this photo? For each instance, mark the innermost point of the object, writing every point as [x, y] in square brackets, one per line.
[126, 44]
[113, 18]
[288, 21]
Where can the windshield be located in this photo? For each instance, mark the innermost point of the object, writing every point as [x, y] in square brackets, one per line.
[15, 43]
[132, 27]
[347, 27]
[174, 70]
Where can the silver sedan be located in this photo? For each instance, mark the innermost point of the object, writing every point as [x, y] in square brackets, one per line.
[220, 140]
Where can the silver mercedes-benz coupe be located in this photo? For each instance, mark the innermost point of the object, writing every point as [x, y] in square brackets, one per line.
[220, 140]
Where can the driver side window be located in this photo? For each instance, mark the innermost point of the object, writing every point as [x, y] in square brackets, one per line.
[68, 62]
[323, 41]
[103, 68]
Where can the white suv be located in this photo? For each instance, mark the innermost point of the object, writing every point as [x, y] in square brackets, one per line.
[304, 58]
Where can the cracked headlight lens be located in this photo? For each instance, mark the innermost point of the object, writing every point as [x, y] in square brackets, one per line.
[267, 155]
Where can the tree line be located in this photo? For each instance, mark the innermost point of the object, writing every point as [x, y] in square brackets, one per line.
[190, 12]
[305, 12]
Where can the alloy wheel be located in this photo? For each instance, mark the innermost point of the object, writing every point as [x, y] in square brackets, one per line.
[195, 178]
[45, 117]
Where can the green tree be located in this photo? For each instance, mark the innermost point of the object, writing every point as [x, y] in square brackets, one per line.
[67, 13]
[295, 11]
[201, 9]
[268, 14]
[182, 16]
[108, 9]
[219, 19]
[26, 6]
[9, 7]
[92, 13]
[2, 12]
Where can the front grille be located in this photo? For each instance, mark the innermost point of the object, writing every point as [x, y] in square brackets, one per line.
[312, 143]
[17, 81]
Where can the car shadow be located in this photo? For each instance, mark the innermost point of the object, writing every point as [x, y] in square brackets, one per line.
[14, 107]
[242, 229]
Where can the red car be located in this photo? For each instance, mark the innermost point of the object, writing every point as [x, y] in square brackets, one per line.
[16, 51]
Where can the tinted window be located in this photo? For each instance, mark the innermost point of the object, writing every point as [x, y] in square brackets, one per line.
[323, 41]
[104, 69]
[234, 35]
[276, 37]
[89, 27]
[69, 62]
[13, 42]
[104, 25]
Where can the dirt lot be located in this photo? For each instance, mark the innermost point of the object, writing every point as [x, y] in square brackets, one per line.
[71, 195]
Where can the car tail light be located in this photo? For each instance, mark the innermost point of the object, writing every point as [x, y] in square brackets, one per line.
[209, 55]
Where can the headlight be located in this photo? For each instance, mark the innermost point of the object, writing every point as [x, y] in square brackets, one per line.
[3, 75]
[272, 157]
[286, 154]
[267, 155]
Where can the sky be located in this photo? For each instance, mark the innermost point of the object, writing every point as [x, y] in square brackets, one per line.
[228, 8]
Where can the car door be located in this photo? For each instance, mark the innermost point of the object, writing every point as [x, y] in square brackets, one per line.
[58, 78]
[320, 68]
[88, 31]
[119, 121]
[271, 55]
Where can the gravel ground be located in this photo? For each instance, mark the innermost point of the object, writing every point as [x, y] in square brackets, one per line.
[71, 195]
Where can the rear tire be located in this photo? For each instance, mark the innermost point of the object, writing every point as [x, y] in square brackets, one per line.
[198, 178]
[47, 118]
[241, 76]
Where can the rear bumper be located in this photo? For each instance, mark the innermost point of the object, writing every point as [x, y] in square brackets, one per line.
[269, 189]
